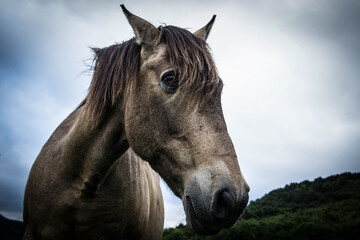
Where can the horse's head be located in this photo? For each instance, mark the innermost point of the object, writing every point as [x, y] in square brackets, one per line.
[174, 120]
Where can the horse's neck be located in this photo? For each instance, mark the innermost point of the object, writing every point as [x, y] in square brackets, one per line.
[89, 152]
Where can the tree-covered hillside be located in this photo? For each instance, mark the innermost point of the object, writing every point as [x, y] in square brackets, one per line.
[322, 209]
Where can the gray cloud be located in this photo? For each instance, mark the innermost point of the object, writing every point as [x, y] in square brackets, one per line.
[298, 108]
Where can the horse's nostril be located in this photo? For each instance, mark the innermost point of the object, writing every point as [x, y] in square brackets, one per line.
[223, 206]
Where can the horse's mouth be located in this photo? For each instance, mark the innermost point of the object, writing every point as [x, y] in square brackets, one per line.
[194, 221]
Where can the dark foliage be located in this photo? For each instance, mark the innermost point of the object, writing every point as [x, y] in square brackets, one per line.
[323, 209]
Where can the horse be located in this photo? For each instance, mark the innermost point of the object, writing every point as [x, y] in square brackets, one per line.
[153, 107]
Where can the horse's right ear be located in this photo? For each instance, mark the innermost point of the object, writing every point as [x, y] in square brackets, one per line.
[145, 32]
[203, 32]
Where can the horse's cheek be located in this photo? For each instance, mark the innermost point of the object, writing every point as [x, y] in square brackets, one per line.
[138, 136]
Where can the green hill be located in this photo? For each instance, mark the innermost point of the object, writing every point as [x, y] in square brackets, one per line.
[322, 209]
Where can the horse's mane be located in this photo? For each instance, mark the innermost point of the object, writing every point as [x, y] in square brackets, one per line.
[115, 71]
[116, 68]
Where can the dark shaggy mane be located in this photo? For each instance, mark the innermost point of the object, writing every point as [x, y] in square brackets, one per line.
[116, 68]
[115, 71]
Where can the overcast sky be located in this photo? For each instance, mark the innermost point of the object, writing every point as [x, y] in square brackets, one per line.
[291, 72]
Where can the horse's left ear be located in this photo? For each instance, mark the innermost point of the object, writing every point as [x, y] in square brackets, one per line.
[145, 32]
[203, 32]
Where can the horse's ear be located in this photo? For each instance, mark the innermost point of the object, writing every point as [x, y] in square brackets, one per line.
[145, 32]
[203, 32]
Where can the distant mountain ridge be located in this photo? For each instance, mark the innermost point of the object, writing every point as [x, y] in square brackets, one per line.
[11, 229]
[326, 208]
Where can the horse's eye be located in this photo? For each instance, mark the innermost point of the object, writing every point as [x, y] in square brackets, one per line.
[169, 81]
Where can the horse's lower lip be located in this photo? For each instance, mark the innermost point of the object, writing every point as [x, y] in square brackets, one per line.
[195, 223]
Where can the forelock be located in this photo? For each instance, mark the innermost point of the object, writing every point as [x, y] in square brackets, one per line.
[191, 57]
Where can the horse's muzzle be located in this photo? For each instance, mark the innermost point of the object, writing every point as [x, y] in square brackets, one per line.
[210, 210]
